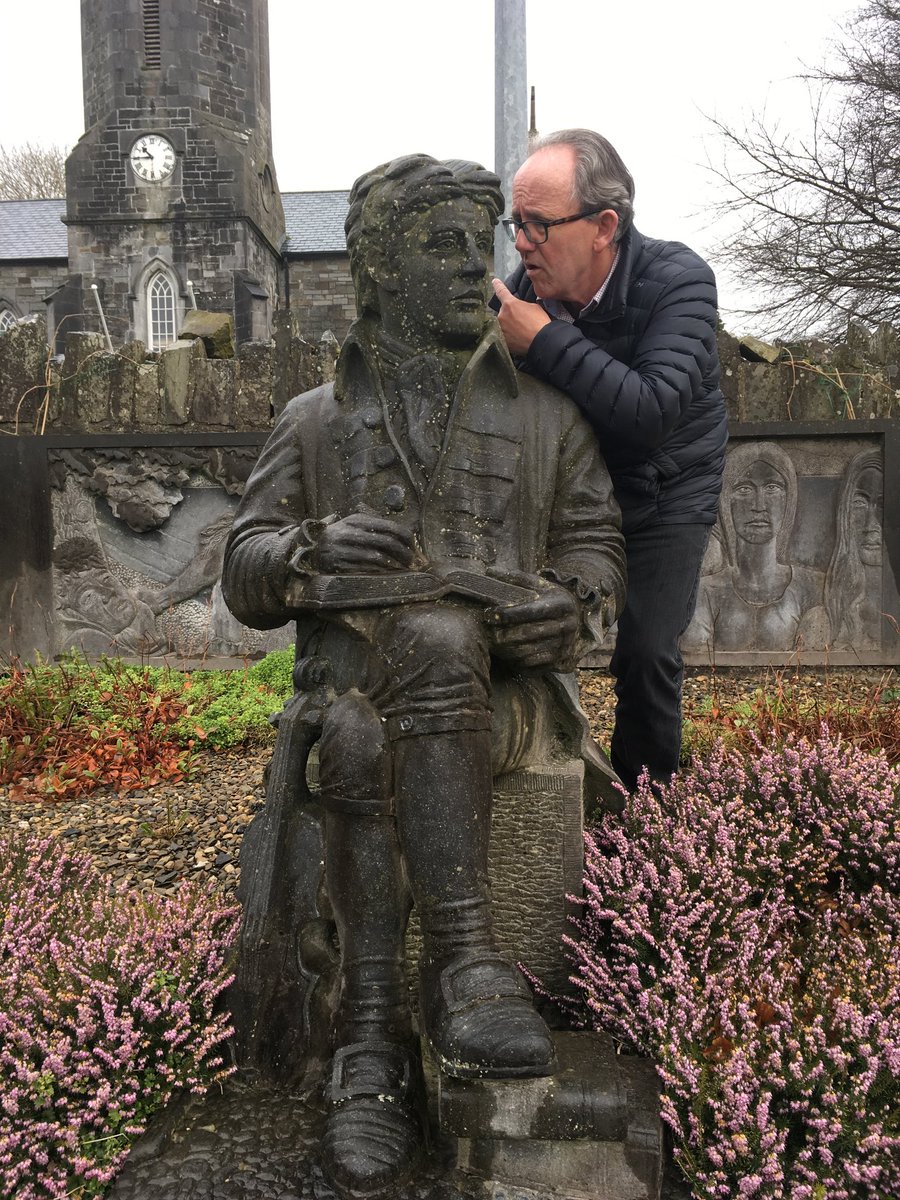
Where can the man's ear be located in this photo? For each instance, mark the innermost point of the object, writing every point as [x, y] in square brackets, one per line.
[606, 224]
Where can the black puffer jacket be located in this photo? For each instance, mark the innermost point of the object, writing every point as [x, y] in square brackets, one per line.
[644, 369]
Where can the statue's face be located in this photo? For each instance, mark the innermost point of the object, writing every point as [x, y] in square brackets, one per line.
[435, 289]
[865, 516]
[759, 503]
[94, 596]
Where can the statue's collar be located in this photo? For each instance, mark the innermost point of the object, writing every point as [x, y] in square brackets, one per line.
[367, 351]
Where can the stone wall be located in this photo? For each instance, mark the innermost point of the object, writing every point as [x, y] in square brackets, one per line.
[322, 296]
[819, 422]
[812, 381]
[25, 285]
[180, 388]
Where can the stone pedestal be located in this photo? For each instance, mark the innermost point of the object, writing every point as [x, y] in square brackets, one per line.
[590, 1132]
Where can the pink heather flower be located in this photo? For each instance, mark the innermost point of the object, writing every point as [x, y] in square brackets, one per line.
[742, 926]
[78, 1058]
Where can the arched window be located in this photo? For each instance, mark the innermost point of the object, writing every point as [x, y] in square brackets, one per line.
[160, 311]
[7, 319]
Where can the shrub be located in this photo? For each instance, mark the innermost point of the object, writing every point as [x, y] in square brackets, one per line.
[742, 927]
[785, 707]
[107, 1007]
[68, 728]
[228, 708]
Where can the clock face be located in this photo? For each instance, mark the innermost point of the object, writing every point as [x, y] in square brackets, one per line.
[152, 158]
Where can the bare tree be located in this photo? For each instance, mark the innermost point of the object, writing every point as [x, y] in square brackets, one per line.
[30, 172]
[818, 234]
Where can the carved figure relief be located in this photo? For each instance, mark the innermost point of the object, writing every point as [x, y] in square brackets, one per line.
[139, 539]
[853, 584]
[95, 611]
[759, 599]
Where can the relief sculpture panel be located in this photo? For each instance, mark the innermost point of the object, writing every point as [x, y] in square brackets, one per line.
[797, 562]
[138, 545]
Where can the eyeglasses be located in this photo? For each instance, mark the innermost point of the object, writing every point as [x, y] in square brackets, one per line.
[536, 232]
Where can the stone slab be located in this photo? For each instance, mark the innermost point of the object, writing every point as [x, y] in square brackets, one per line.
[591, 1131]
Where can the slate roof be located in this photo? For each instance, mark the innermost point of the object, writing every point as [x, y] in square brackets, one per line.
[31, 229]
[314, 222]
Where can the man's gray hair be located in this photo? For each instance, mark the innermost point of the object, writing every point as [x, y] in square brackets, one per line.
[601, 178]
[385, 197]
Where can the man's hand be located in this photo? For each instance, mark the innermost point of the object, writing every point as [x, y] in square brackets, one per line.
[366, 544]
[539, 633]
[519, 320]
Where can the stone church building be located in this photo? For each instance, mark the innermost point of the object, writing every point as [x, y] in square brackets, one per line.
[172, 198]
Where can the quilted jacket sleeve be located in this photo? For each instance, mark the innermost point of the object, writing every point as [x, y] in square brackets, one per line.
[634, 406]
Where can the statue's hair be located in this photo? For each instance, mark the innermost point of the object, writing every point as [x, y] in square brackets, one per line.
[383, 198]
[601, 178]
[845, 579]
[78, 554]
[737, 464]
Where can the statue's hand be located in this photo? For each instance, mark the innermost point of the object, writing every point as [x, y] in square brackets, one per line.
[539, 633]
[364, 543]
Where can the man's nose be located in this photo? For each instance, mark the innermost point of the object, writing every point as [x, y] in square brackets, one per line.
[522, 243]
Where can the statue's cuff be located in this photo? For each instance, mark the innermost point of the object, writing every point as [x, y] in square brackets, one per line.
[597, 610]
[302, 561]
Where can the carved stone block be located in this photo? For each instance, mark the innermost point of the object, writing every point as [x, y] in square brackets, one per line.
[591, 1131]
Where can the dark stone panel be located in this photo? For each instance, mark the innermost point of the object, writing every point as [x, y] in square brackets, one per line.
[26, 596]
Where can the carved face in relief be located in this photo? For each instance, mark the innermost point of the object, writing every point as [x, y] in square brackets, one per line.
[865, 515]
[434, 288]
[759, 503]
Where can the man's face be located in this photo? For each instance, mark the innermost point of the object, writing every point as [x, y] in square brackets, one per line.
[575, 259]
[434, 293]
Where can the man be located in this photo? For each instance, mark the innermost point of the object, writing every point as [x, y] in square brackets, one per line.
[445, 533]
[626, 327]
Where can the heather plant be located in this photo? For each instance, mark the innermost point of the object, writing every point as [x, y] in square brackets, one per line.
[108, 1006]
[742, 927]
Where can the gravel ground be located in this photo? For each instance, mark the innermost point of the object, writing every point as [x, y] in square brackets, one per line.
[153, 839]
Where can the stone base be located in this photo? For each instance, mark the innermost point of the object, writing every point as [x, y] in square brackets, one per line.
[536, 861]
[590, 1132]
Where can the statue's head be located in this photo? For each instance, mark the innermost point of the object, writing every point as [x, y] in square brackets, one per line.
[759, 497]
[420, 234]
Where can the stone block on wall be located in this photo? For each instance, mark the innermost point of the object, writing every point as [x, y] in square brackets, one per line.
[178, 379]
[23, 355]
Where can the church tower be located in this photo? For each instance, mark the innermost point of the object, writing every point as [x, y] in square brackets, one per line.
[172, 183]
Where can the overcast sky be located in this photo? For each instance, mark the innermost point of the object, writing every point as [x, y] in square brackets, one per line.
[355, 82]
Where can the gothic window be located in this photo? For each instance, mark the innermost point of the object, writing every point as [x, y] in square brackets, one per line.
[7, 319]
[160, 311]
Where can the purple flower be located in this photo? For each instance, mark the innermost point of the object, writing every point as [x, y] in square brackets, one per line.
[742, 927]
[93, 983]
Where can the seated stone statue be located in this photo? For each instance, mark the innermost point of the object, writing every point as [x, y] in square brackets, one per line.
[444, 533]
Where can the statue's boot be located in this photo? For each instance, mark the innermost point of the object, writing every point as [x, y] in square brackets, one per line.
[374, 1125]
[476, 1007]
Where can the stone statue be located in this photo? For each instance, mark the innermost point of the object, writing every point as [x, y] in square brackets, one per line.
[759, 600]
[443, 531]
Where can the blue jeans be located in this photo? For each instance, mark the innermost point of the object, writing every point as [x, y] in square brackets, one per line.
[663, 573]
